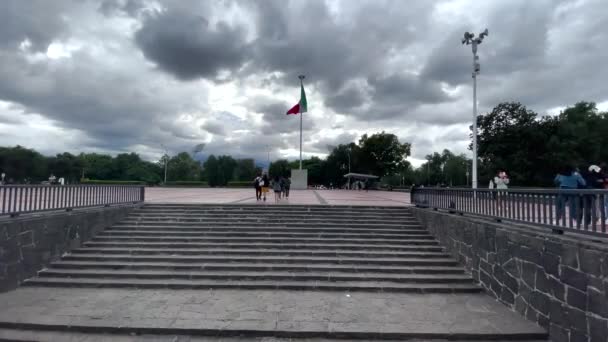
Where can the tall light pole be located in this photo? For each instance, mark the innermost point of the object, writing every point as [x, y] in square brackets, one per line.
[349, 150]
[469, 39]
[301, 77]
[166, 157]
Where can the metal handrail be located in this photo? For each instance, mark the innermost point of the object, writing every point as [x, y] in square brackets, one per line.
[580, 210]
[20, 199]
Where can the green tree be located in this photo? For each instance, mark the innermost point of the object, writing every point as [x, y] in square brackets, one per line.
[21, 164]
[183, 168]
[96, 166]
[279, 168]
[66, 165]
[226, 167]
[245, 169]
[338, 161]
[382, 154]
[211, 171]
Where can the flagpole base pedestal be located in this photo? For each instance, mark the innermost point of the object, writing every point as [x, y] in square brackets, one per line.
[299, 179]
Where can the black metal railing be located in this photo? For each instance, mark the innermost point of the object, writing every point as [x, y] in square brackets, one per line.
[18, 199]
[583, 211]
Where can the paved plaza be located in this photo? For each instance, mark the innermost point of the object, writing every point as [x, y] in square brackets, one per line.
[298, 197]
[401, 315]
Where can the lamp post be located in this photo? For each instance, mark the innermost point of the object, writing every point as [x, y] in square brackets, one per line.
[166, 157]
[469, 39]
[301, 77]
[349, 150]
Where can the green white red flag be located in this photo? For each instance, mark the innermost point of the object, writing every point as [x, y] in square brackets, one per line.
[302, 106]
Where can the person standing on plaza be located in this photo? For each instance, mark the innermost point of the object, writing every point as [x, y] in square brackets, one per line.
[287, 186]
[594, 181]
[501, 182]
[258, 188]
[265, 183]
[567, 179]
[604, 174]
[276, 187]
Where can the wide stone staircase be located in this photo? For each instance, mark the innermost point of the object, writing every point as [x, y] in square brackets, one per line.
[381, 253]
[371, 249]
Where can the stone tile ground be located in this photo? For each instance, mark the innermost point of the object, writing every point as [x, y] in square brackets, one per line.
[263, 310]
[299, 197]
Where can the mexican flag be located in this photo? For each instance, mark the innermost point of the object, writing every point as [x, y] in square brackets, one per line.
[302, 106]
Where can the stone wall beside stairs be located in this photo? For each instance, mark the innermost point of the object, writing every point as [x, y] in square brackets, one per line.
[29, 243]
[558, 281]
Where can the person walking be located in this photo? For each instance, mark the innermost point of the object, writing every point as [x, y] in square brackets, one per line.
[276, 186]
[258, 188]
[567, 179]
[287, 186]
[265, 183]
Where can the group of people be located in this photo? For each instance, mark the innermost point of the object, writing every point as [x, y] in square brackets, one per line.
[592, 177]
[280, 186]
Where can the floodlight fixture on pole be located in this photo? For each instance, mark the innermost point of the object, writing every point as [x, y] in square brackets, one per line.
[469, 39]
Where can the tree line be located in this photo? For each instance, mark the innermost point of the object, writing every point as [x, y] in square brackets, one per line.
[531, 148]
[380, 154]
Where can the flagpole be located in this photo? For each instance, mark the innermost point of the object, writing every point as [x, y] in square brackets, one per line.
[301, 77]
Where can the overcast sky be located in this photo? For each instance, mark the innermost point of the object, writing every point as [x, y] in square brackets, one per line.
[130, 75]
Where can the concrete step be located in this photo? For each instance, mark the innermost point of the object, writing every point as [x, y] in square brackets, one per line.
[231, 223]
[252, 284]
[422, 245]
[273, 217]
[258, 221]
[267, 229]
[298, 210]
[429, 259]
[274, 212]
[144, 238]
[246, 214]
[258, 206]
[44, 335]
[267, 252]
[40, 334]
[262, 233]
[256, 276]
[423, 268]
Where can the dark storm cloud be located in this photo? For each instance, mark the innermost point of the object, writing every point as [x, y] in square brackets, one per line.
[38, 21]
[115, 110]
[326, 145]
[346, 100]
[275, 120]
[406, 90]
[214, 127]
[333, 52]
[187, 45]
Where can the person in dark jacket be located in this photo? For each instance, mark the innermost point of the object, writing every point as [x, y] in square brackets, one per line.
[567, 179]
[593, 181]
[258, 188]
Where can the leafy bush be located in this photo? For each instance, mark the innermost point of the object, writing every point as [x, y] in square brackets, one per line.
[110, 182]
